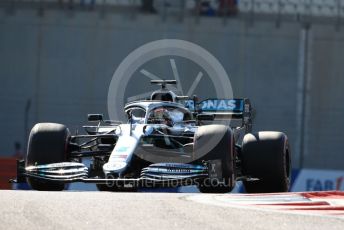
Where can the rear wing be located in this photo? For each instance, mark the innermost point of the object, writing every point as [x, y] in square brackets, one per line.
[238, 110]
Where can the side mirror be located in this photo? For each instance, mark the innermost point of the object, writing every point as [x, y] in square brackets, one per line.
[205, 117]
[95, 117]
[179, 98]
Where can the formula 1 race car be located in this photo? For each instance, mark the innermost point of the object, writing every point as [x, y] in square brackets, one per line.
[169, 140]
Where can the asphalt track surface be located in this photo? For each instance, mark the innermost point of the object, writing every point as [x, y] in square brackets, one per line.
[106, 210]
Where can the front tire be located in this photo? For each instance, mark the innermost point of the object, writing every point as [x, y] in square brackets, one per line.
[266, 156]
[48, 144]
[223, 151]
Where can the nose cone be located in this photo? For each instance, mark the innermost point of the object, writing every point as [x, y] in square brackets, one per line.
[114, 167]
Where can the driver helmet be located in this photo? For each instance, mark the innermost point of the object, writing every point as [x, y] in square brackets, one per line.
[163, 115]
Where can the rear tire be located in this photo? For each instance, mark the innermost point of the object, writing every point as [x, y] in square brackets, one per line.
[48, 144]
[266, 155]
[223, 151]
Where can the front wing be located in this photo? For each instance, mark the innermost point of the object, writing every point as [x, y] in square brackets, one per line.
[167, 174]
